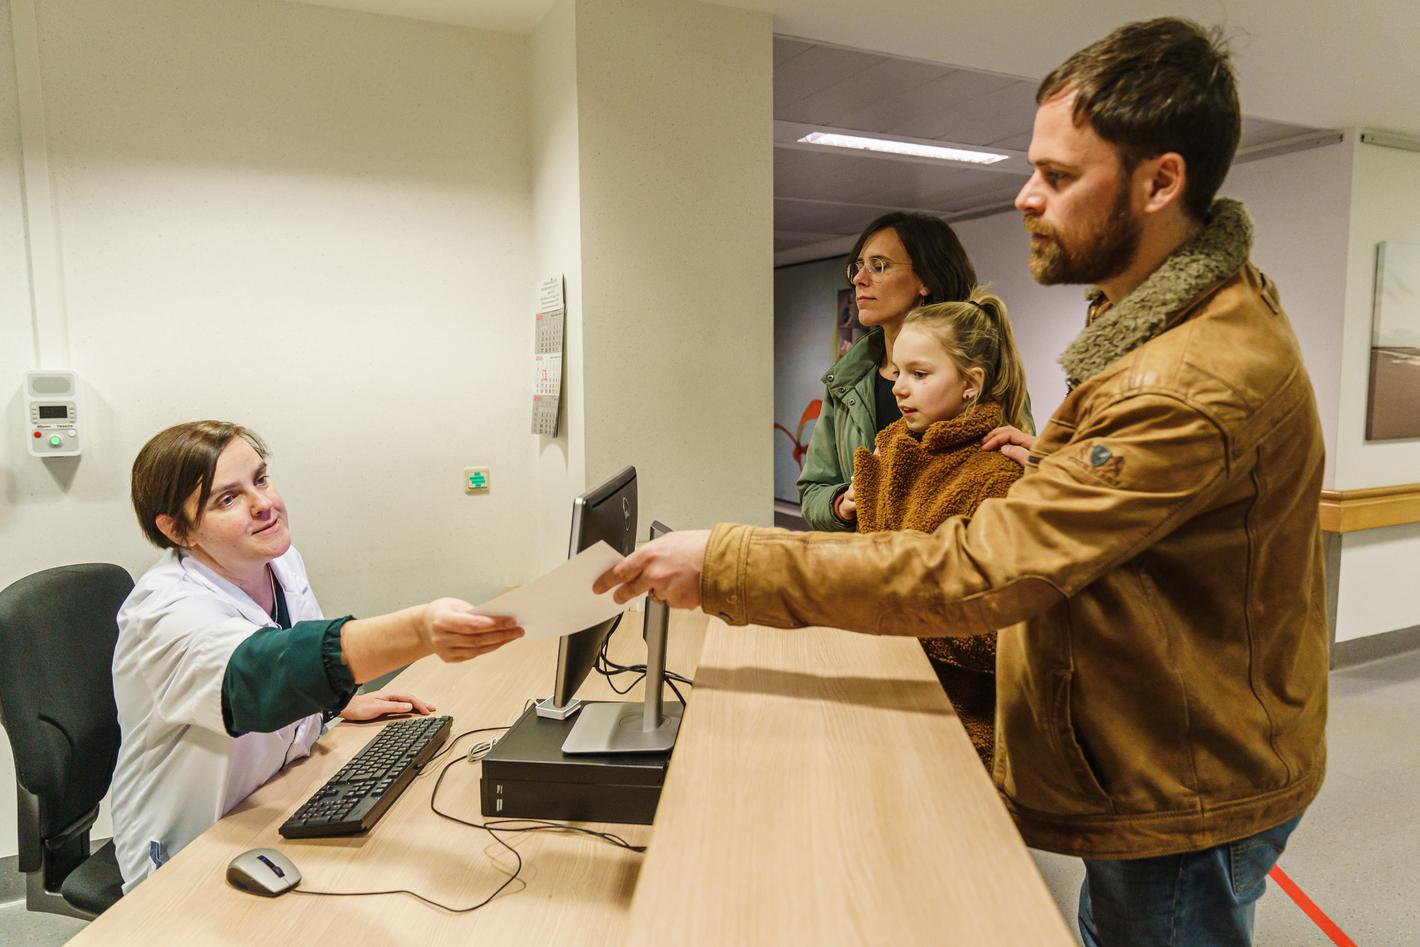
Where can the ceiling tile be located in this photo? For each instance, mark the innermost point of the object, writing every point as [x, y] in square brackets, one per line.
[1017, 142]
[914, 112]
[985, 118]
[816, 69]
[846, 103]
[1256, 131]
[786, 49]
[835, 219]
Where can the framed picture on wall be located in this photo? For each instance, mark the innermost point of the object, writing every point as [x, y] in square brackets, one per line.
[847, 328]
[1393, 410]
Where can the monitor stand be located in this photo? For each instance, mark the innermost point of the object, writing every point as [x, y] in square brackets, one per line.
[623, 728]
[647, 727]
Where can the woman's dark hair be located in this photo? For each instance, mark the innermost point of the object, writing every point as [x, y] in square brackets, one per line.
[938, 258]
[173, 465]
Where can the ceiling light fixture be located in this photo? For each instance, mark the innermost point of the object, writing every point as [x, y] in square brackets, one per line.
[912, 148]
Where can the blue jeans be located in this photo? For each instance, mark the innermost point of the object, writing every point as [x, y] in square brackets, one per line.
[1194, 899]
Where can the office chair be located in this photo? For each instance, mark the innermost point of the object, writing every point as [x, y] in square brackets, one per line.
[57, 634]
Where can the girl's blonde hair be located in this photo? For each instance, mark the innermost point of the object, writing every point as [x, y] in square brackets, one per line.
[976, 333]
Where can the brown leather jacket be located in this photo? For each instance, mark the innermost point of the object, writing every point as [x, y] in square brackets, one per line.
[1156, 577]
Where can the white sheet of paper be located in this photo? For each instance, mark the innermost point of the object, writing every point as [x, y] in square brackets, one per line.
[561, 602]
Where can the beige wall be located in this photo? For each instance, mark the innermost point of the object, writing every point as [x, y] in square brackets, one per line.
[674, 110]
[557, 250]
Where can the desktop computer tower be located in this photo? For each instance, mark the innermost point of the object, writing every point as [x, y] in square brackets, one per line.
[527, 776]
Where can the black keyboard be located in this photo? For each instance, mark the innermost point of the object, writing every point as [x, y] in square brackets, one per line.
[355, 798]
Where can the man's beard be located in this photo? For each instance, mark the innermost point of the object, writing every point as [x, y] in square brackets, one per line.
[1104, 253]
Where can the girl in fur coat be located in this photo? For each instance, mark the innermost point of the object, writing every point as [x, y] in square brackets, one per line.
[959, 376]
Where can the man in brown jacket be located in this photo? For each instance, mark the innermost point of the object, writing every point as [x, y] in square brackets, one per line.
[1156, 574]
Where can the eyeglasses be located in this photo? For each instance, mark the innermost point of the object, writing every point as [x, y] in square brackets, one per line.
[875, 265]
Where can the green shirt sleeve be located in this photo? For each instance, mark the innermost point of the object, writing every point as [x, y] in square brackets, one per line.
[822, 479]
[279, 675]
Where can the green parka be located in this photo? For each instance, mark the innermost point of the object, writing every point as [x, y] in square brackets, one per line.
[846, 422]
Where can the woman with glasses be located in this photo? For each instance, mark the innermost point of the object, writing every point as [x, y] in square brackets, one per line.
[900, 261]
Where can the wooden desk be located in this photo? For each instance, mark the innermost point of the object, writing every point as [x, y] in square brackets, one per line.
[822, 792]
[572, 890]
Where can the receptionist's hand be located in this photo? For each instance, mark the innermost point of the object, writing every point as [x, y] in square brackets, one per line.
[370, 706]
[455, 632]
[669, 568]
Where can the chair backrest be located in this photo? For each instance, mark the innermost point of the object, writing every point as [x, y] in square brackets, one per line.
[57, 634]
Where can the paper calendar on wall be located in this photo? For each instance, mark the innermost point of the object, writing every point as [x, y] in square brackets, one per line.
[547, 356]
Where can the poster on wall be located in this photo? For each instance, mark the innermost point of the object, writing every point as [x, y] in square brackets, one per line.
[847, 328]
[1393, 410]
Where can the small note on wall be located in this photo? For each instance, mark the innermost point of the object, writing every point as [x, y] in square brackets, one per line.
[547, 356]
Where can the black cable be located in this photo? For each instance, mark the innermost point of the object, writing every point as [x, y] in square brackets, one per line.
[606, 667]
[414, 894]
[494, 826]
[450, 745]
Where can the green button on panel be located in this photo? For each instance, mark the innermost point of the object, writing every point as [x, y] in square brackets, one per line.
[54, 440]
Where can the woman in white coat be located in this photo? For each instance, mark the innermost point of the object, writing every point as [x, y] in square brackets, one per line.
[225, 668]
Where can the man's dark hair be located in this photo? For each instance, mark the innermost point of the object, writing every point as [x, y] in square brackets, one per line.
[1158, 86]
[938, 258]
[175, 464]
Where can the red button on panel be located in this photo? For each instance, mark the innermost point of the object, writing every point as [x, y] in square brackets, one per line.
[37, 434]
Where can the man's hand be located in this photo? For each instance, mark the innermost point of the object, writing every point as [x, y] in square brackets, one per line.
[370, 706]
[1012, 442]
[668, 568]
[451, 628]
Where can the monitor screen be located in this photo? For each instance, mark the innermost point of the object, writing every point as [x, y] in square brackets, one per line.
[608, 513]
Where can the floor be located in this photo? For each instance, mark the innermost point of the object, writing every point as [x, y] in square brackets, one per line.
[1354, 854]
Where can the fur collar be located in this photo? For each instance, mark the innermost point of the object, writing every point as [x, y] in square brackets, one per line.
[1194, 268]
[969, 427]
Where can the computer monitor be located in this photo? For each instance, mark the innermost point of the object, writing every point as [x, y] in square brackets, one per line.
[607, 512]
[648, 727]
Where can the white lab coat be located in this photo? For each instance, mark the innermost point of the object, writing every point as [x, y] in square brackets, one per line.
[179, 770]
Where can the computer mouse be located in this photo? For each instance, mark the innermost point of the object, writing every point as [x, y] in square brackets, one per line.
[263, 871]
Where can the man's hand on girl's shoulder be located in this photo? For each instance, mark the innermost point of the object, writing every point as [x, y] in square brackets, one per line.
[1011, 441]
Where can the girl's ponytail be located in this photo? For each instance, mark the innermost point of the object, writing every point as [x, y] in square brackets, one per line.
[976, 333]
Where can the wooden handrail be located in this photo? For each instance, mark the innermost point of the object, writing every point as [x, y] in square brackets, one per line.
[1348, 511]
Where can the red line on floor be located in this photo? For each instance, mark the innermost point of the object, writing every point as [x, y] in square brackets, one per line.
[1309, 908]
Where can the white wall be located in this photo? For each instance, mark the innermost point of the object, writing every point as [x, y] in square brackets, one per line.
[331, 248]
[314, 222]
[1377, 566]
[557, 249]
[1385, 205]
[674, 112]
